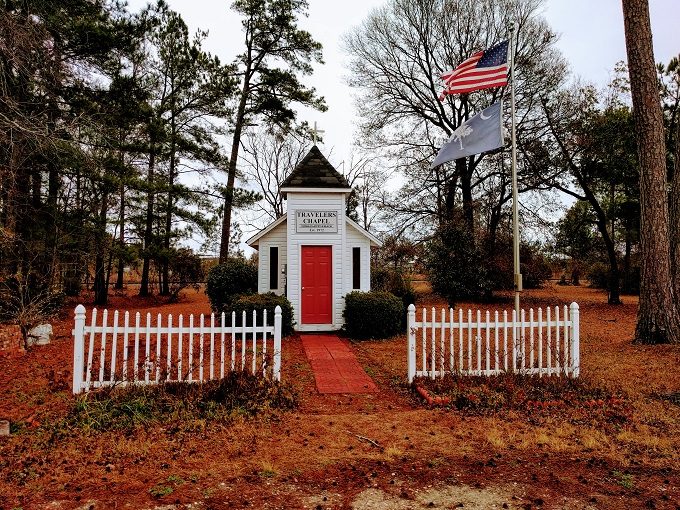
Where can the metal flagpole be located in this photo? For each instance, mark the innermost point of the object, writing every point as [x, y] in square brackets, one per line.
[515, 206]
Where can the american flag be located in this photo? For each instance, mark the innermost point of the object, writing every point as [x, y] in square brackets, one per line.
[482, 70]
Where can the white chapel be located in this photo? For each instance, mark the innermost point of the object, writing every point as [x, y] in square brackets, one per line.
[314, 254]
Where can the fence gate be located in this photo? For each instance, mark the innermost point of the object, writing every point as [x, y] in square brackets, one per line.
[541, 343]
[108, 353]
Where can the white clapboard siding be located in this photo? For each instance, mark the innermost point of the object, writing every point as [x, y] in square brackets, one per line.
[275, 237]
[356, 239]
[149, 352]
[316, 201]
[542, 342]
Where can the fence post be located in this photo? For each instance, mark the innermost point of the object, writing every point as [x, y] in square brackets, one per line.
[78, 348]
[515, 343]
[277, 344]
[411, 333]
[575, 340]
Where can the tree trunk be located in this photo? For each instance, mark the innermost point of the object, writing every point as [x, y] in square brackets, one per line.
[446, 207]
[613, 286]
[148, 228]
[121, 239]
[657, 312]
[675, 218]
[494, 221]
[465, 172]
[614, 274]
[100, 276]
[23, 219]
[52, 238]
[165, 280]
[627, 277]
[231, 176]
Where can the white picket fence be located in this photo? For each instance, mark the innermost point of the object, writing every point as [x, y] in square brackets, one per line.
[121, 354]
[540, 343]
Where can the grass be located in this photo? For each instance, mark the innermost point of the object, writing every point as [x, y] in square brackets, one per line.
[580, 400]
[127, 408]
[393, 453]
[267, 470]
[625, 480]
[160, 490]
[590, 452]
[495, 438]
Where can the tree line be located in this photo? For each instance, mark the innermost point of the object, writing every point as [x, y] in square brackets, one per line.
[120, 136]
[104, 114]
[572, 140]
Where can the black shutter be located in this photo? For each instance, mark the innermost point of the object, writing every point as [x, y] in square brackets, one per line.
[273, 267]
[356, 268]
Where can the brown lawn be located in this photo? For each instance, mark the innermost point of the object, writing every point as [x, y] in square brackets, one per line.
[319, 455]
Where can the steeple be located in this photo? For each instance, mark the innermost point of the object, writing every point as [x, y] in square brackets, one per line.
[314, 171]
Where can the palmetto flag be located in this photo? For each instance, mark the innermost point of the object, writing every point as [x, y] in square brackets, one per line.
[481, 133]
[483, 70]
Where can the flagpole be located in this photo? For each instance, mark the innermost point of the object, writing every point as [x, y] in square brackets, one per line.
[515, 205]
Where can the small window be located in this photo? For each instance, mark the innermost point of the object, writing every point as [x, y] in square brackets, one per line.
[273, 267]
[356, 268]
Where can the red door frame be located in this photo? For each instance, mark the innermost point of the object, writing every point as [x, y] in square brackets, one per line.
[316, 282]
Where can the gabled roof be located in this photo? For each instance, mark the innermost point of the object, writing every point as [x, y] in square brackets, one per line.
[374, 240]
[314, 171]
[253, 240]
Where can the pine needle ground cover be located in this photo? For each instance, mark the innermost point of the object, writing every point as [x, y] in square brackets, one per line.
[388, 448]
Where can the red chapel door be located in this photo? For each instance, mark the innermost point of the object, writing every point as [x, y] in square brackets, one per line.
[317, 287]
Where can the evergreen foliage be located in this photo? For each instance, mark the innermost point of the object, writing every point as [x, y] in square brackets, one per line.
[103, 117]
[258, 302]
[456, 266]
[373, 314]
[228, 281]
[276, 53]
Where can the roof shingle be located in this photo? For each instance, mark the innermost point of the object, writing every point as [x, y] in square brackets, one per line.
[314, 171]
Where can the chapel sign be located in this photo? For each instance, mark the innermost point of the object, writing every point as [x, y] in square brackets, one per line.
[307, 221]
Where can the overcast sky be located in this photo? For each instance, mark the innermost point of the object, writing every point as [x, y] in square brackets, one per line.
[591, 38]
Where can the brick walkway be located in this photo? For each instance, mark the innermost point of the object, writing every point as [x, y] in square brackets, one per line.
[336, 369]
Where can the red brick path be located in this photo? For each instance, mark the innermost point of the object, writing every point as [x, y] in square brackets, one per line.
[336, 369]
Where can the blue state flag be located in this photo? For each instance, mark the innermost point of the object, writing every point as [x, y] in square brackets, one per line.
[481, 133]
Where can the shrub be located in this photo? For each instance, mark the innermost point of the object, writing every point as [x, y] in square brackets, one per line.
[373, 314]
[238, 393]
[186, 270]
[28, 301]
[534, 265]
[598, 275]
[577, 400]
[259, 302]
[395, 281]
[226, 282]
[535, 270]
[456, 265]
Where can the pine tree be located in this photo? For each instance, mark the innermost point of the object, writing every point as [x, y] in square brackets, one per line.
[658, 320]
[266, 91]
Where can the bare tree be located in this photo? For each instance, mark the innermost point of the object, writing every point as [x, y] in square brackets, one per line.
[398, 54]
[658, 320]
[575, 163]
[367, 182]
[269, 157]
[27, 304]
